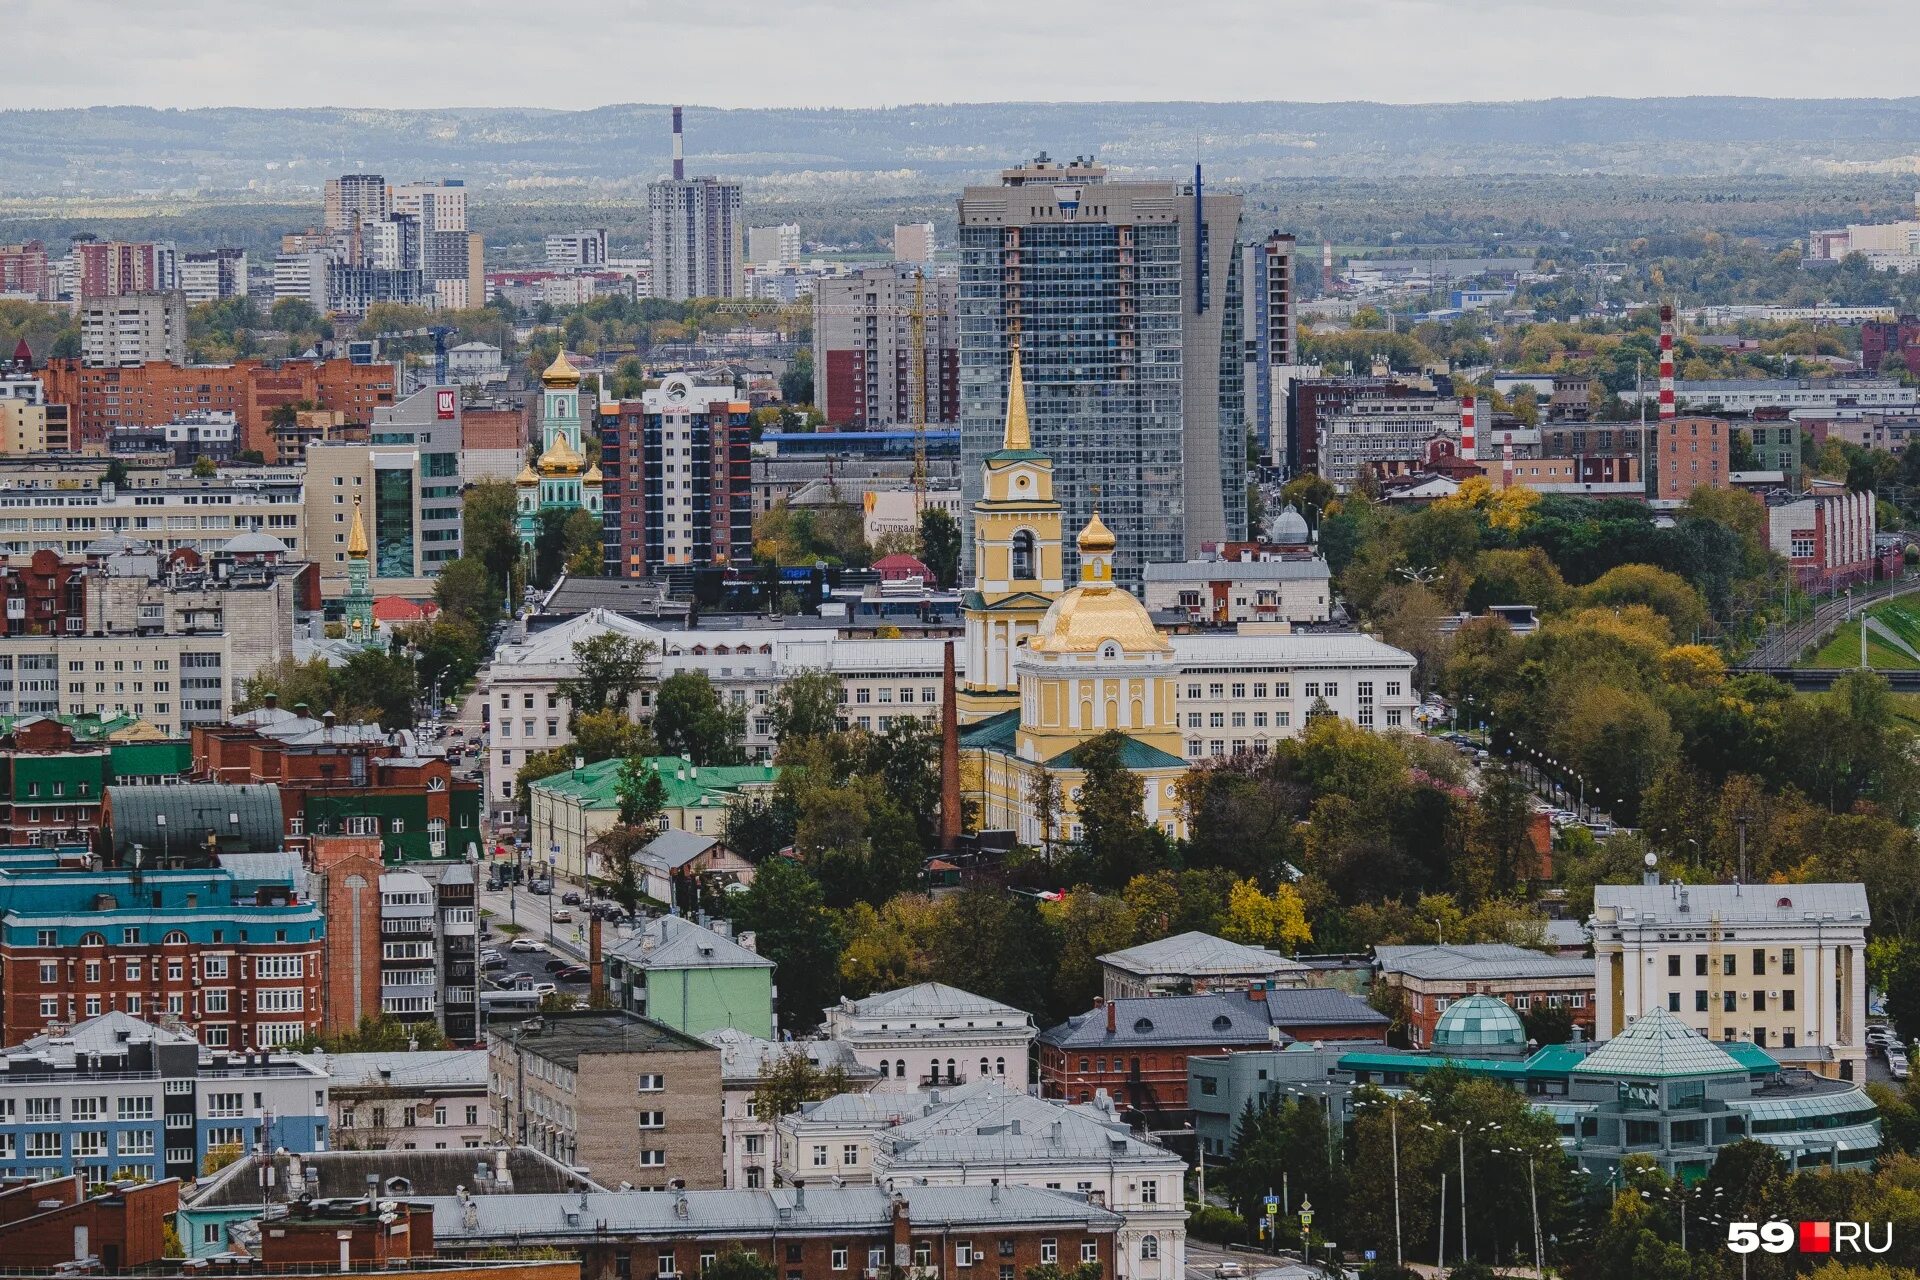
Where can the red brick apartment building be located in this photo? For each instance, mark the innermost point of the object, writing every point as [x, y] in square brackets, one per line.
[154, 394]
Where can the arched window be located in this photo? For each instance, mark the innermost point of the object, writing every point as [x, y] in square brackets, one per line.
[1023, 558]
[93, 940]
[999, 1066]
[886, 1068]
[900, 1068]
[176, 938]
[983, 1068]
[1149, 1248]
[953, 1076]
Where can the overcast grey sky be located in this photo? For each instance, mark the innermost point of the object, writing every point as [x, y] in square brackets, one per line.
[857, 53]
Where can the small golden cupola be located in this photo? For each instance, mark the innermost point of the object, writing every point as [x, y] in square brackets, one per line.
[561, 372]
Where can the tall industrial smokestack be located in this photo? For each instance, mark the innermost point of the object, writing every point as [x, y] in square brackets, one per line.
[1666, 364]
[679, 147]
[1469, 449]
[1326, 266]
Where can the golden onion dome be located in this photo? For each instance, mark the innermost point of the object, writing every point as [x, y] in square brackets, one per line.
[526, 479]
[593, 475]
[1086, 618]
[561, 372]
[1096, 537]
[561, 458]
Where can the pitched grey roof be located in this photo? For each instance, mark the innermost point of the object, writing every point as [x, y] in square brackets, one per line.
[1306, 1007]
[674, 942]
[1479, 961]
[783, 1210]
[1734, 904]
[932, 1000]
[995, 1124]
[674, 848]
[100, 1035]
[1658, 1044]
[426, 1173]
[1211, 1019]
[1197, 953]
[424, 1069]
[747, 1057]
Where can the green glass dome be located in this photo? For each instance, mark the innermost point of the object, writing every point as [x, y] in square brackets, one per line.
[1476, 1025]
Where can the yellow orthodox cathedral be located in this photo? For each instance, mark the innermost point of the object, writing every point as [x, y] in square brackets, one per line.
[1048, 668]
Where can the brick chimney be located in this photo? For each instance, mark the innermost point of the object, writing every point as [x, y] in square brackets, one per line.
[902, 1232]
[1113, 1017]
[596, 971]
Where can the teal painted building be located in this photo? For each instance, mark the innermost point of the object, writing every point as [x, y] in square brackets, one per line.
[561, 479]
[1658, 1089]
[692, 978]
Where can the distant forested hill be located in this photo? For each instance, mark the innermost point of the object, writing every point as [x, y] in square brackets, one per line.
[110, 150]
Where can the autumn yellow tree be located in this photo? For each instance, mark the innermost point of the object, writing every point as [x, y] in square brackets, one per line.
[1277, 919]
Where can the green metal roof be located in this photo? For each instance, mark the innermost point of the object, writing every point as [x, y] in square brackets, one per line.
[86, 728]
[1749, 1055]
[597, 786]
[1134, 754]
[1420, 1063]
[995, 733]
[1019, 600]
[242, 818]
[149, 759]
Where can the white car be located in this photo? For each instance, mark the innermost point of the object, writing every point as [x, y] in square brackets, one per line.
[542, 988]
[526, 944]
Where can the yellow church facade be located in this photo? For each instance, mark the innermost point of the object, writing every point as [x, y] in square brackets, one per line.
[1049, 668]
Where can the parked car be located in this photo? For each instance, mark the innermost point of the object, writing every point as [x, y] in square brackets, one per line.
[573, 973]
[556, 964]
[539, 887]
[1897, 1062]
[526, 944]
[562, 916]
[542, 988]
[1228, 1270]
[571, 897]
[493, 960]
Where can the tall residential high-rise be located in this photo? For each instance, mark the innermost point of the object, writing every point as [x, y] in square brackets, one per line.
[913, 242]
[108, 268]
[660, 514]
[779, 244]
[1268, 321]
[695, 224]
[1124, 300]
[450, 254]
[863, 359]
[582, 250]
[132, 330]
[214, 275]
[353, 198]
[23, 270]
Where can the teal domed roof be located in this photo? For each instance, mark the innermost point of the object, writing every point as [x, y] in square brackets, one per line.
[1478, 1024]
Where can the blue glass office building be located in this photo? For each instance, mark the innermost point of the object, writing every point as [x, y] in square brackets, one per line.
[1125, 301]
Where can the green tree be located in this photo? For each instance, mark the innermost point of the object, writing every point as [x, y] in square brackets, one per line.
[294, 315]
[1116, 838]
[487, 531]
[998, 945]
[617, 851]
[383, 682]
[609, 668]
[116, 472]
[204, 467]
[603, 735]
[787, 913]
[310, 683]
[738, 1264]
[464, 590]
[641, 793]
[806, 705]
[538, 765]
[940, 546]
[796, 384]
[793, 1079]
[691, 719]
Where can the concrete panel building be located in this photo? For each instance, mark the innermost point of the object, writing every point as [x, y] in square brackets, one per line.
[128, 330]
[864, 364]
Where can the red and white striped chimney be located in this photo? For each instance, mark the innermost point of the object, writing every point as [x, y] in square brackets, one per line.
[679, 147]
[1468, 449]
[1506, 461]
[1666, 363]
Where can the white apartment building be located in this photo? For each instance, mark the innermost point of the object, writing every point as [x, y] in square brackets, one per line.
[747, 1139]
[409, 1100]
[180, 510]
[1218, 590]
[1744, 395]
[1237, 692]
[931, 1034]
[1382, 429]
[133, 329]
[582, 250]
[983, 1132]
[1782, 966]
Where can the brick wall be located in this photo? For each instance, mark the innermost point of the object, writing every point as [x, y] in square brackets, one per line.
[349, 867]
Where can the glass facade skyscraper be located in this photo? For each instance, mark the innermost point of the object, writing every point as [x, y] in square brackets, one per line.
[1124, 299]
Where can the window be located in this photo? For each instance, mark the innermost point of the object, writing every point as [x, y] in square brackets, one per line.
[652, 1083]
[1786, 961]
[1700, 1002]
[652, 1119]
[839, 1258]
[1673, 966]
[1726, 1002]
[1759, 962]
[1700, 966]
[1759, 1002]
[820, 1155]
[1149, 1248]
[1049, 1251]
[653, 1159]
[1673, 1001]
[1149, 1191]
[663, 1263]
[963, 1253]
[850, 1154]
[1786, 1001]
[1089, 1251]
[1727, 965]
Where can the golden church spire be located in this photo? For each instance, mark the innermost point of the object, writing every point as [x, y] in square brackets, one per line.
[1017, 435]
[357, 536]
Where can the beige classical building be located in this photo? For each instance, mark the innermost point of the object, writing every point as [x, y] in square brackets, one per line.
[625, 1098]
[1781, 965]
